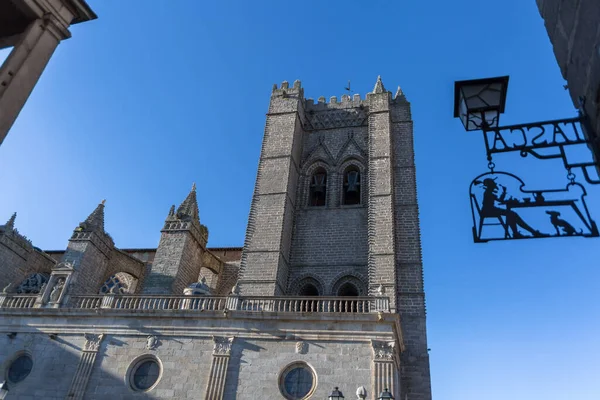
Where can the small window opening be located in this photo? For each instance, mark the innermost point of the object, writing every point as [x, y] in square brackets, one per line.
[318, 188]
[351, 186]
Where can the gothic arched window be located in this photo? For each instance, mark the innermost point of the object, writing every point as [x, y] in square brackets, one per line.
[351, 192]
[318, 188]
[119, 283]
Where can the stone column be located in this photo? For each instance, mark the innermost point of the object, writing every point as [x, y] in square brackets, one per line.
[218, 368]
[35, 28]
[84, 369]
[24, 66]
[385, 368]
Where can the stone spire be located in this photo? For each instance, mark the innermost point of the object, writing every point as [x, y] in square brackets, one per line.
[11, 222]
[188, 210]
[95, 221]
[379, 88]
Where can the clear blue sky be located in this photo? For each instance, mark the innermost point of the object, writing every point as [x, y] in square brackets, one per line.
[156, 95]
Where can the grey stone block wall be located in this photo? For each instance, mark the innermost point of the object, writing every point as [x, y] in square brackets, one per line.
[185, 366]
[255, 366]
[176, 264]
[376, 242]
[54, 364]
[574, 30]
[265, 261]
[262, 348]
[90, 264]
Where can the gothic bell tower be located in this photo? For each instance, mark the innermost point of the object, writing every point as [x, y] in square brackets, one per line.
[335, 213]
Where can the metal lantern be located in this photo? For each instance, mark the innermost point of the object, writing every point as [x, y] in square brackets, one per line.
[385, 395]
[336, 394]
[3, 389]
[479, 102]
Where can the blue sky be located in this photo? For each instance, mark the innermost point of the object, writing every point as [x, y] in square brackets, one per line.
[148, 99]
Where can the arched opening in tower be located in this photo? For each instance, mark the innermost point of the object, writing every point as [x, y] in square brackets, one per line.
[309, 290]
[347, 289]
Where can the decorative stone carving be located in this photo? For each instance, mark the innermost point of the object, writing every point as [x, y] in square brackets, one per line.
[301, 347]
[236, 289]
[380, 290]
[222, 346]
[33, 284]
[151, 342]
[361, 393]
[340, 118]
[383, 351]
[57, 290]
[5, 290]
[92, 341]
[65, 265]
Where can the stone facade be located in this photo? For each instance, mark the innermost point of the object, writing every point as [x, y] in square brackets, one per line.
[574, 31]
[328, 286]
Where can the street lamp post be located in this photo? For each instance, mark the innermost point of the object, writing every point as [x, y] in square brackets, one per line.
[385, 395]
[336, 394]
[497, 197]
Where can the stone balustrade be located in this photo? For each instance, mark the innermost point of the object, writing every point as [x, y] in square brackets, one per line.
[17, 300]
[316, 304]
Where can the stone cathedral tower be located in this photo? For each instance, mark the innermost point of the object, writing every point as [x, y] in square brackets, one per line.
[335, 213]
[326, 293]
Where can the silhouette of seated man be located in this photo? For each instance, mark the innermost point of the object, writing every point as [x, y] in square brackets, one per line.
[489, 209]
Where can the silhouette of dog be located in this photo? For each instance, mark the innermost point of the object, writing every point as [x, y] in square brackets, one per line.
[560, 223]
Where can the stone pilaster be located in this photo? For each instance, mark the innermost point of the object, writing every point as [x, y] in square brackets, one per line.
[410, 295]
[385, 368]
[266, 257]
[381, 263]
[86, 364]
[218, 368]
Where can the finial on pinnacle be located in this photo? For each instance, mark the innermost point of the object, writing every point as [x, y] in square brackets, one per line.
[194, 187]
[103, 201]
[399, 93]
[379, 88]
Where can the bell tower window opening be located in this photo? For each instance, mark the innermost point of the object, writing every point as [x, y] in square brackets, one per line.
[351, 192]
[348, 289]
[318, 188]
[309, 290]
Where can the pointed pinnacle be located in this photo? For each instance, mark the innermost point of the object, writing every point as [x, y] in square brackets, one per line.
[194, 187]
[172, 210]
[379, 88]
[103, 201]
[95, 221]
[11, 221]
[399, 93]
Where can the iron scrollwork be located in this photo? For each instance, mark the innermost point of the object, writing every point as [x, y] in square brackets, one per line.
[551, 137]
[503, 209]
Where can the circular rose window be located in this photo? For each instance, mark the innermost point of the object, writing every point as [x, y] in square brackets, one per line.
[297, 381]
[144, 373]
[20, 368]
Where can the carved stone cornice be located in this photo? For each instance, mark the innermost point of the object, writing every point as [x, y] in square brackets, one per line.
[222, 346]
[92, 341]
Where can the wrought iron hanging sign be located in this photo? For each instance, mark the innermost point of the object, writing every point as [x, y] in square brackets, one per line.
[503, 207]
